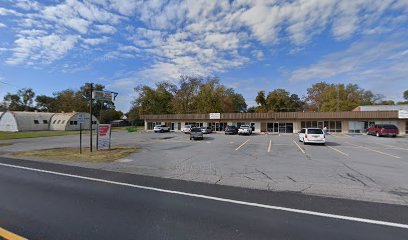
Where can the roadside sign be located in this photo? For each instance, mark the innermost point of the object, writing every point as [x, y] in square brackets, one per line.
[104, 136]
[403, 114]
[81, 118]
[102, 96]
[215, 115]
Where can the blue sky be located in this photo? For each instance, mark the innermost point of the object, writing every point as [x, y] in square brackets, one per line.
[250, 45]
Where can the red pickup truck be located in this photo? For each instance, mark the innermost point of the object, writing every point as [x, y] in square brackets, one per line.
[383, 130]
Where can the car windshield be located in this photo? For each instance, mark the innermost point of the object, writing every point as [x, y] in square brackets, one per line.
[315, 131]
[196, 129]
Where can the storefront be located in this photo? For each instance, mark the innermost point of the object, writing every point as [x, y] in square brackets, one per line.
[283, 122]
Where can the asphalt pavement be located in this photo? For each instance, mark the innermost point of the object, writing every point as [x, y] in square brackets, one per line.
[52, 201]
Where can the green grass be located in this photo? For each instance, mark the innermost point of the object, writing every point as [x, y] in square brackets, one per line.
[18, 135]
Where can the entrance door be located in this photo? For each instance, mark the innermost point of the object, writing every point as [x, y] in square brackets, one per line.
[172, 126]
[320, 124]
[276, 127]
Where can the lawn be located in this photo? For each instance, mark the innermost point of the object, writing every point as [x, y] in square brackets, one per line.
[18, 135]
[72, 154]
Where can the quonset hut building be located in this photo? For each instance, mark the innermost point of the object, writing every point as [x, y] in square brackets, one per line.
[16, 121]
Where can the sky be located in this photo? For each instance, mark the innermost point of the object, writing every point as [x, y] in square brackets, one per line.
[250, 46]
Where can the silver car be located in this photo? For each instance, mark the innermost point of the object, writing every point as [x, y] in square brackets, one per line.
[206, 130]
[196, 133]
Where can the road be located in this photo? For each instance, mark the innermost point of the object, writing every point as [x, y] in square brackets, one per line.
[94, 204]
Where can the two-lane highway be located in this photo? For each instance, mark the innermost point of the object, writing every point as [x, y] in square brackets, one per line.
[48, 205]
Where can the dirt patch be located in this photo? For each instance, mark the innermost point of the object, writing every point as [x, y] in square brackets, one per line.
[72, 154]
[5, 144]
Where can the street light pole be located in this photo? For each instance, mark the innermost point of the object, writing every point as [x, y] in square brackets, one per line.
[90, 117]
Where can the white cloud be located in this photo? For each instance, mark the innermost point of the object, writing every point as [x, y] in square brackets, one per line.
[95, 41]
[32, 49]
[105, 29]
[367, 60]
[2, 25]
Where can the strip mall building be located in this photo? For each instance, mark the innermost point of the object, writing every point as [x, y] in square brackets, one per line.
[290, 122]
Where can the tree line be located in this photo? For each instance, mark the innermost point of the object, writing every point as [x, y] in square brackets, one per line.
[205, 95]
[197, 95]
[63, 101]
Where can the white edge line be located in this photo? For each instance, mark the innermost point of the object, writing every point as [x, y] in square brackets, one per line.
[293, 210]
[337, 150]
[240, 146]
[303, 151]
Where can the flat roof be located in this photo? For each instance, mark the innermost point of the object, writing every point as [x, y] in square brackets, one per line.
[362, 115]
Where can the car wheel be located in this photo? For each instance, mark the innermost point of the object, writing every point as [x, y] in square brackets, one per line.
[394, 136]
[378, 134]
[304, 142]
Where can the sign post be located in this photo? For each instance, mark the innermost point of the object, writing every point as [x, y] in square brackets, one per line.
[81, 119]
[104, 136]
[90, 118]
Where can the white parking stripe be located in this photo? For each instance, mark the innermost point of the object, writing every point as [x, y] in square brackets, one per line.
[394, 147]
[373, 150]
[337, 150]
[270, 145]
[303, 151]
[240, 146]
[286, 209]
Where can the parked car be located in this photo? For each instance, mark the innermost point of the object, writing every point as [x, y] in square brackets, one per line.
[312, 135]
[245, 130]
[383, 130]
[231, 130]
[186, 129]
[206, 130]
[196, 133]
[161, 128]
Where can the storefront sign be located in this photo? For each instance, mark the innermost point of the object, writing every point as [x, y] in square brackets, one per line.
[104, 134]
[403, 114]
[215, 115]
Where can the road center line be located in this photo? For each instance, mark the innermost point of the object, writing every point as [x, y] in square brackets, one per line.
[9, 235]
[370, 149]
[303, 151]
[337, 150]
[240, 146]
[293, 210]
[270, 145]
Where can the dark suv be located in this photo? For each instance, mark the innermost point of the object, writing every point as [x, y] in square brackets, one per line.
[383, 130]
[231, 130]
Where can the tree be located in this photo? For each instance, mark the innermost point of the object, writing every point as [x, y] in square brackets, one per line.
[331, 97]
[155, 101]
[46, 103]
[278, 100]
[183, 100]
[108, 115]
[20, 101]
[406, 95]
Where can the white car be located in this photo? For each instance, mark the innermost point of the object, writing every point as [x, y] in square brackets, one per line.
[312, 135]
[187, 129]
[161, 128]
[245, 130]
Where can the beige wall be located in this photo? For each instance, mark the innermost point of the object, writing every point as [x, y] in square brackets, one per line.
[401, 126]
[344, 126]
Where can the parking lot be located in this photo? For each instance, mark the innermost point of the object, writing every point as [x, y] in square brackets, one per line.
[355, 167]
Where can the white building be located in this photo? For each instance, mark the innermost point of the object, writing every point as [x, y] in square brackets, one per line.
[70, 121]
[15, 121]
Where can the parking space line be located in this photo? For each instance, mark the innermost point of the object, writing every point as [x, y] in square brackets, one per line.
[301, 149]
[270, 145]
[240, 146]
[394, 147]
[373, 150]
[337, 150]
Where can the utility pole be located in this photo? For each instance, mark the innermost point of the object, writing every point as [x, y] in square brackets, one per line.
[90, 117]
